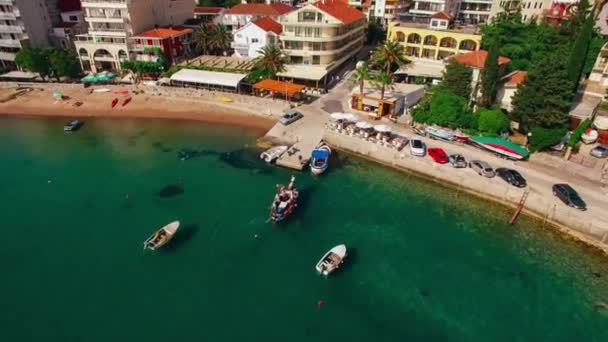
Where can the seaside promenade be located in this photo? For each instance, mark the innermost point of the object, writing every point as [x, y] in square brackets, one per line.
[176, 103]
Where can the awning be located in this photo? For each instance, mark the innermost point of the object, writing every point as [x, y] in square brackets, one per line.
[224, 79]
[304, 72]
[502, 146]
[288, 88]
[20, 75]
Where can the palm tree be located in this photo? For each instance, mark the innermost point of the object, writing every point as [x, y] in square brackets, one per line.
[388, 54]
[383, 81]
[201, 38]
[220, 38]
[361, 75]
[271, 60]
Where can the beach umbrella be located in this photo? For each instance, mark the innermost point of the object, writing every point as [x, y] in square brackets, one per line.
[337, 116]
[364, 125]
[350, 117]
[382, 128]
[502, 146]
[91, 78]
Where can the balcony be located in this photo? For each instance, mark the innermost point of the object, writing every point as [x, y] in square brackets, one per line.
[10, 43]
[104, 19]
[6, 2]
[104, 4]
[11, 29]
[7, 56]
[309, 51]
[7, 16]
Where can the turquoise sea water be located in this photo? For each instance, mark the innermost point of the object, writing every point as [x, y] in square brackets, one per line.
[426, 263]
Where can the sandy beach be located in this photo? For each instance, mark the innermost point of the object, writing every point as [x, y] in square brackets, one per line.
[40, 102]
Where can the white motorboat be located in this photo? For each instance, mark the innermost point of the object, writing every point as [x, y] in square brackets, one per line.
[273, 153]
[161, 236]
[320, 159]
[589, 136]
[331, 260]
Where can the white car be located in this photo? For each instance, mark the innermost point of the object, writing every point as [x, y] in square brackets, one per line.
[417, 148]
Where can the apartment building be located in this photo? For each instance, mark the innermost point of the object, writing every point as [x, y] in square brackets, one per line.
[24, 23]
[112, 24]
[242, 14]
[71, 23]
[474, 11]
[249, 39]
[320, 37]
[173, 41]
[424, 9]
[384, 11]
[551, 11]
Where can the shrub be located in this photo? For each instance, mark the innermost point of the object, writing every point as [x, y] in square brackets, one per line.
[545, 137]
[492, 121]
[578, 133]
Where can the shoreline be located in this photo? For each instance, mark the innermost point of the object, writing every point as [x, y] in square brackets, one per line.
[567, 231]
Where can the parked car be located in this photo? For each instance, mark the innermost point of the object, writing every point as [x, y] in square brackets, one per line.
[291, 116]
[417, 147]
[438, 155]
[512, 177]
[457, 160]
[600, 151]
[569, 196]
[482, 168]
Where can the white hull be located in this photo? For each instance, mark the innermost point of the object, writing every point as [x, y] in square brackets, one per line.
[273, 154]
[319, 169]
[325, 268]
[167, 231]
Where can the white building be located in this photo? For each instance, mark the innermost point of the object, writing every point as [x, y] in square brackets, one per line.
[111, 24]
[504, 95]
[249, 39]
[71, 23]
[242, 14]
[426, 8]
[474, 11]
[385, 10]
[24, 23]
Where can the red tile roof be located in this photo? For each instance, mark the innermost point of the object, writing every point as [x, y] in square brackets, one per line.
[477, 59]
[340, 10]
[267, 24]
[165, 32]
[275, 9]
[208, 10]
[69, 5]
[442, 15]
[515, 78]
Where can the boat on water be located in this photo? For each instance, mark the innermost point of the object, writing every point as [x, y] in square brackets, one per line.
[285, 201]
[438, 133]
[161, 236]
[332, 260]
[72, 126]
[320, 159]
[273, 153]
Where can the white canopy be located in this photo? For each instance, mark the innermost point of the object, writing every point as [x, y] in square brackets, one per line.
[350, 117]
[364, 125]
[224, 79]
[382, 128]
[20, 74]
[337, 116]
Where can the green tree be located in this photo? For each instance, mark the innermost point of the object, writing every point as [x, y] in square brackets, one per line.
[490, 76]
[389, 55]
[457, 79]
[594, 49]
[579, 51]
[447, 109]
[383, 81]
[544, 99]
[545, 137]
[201, 38]
[375, 32]
[361, 75]
[492, 121]
[34, 60]
[220, 38]
[270, 62]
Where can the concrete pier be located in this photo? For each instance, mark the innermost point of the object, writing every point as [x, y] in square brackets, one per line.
[302, 136]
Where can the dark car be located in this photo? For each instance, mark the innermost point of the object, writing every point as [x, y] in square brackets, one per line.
[569, 196]
[512, 177]
[438, 155]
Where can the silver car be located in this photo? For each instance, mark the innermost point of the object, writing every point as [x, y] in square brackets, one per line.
[600, 151]
[290, 116]
[482, 168]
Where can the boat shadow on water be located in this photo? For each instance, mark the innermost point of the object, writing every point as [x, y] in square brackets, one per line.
[185, 234]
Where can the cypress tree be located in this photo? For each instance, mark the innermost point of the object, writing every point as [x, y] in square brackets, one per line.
[457, 79]
[578, 54]
[489, 76]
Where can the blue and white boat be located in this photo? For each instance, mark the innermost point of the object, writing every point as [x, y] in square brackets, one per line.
[439, 133]
[320, 159]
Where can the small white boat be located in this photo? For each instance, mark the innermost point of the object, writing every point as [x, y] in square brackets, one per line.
[331, 260]
[72, 125]
[102, 90]
[161, 236]
[273, 154]
[439, 133]
[320, 159]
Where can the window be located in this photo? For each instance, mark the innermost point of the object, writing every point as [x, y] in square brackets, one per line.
[316, 59]
[150, 42]
[308, 16]
[254, 40]
[73, 18]
[434, 23]
[529, 3]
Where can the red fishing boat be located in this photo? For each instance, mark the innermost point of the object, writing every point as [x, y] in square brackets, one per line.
[126, 101]
[114, 102]
[285, 201]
